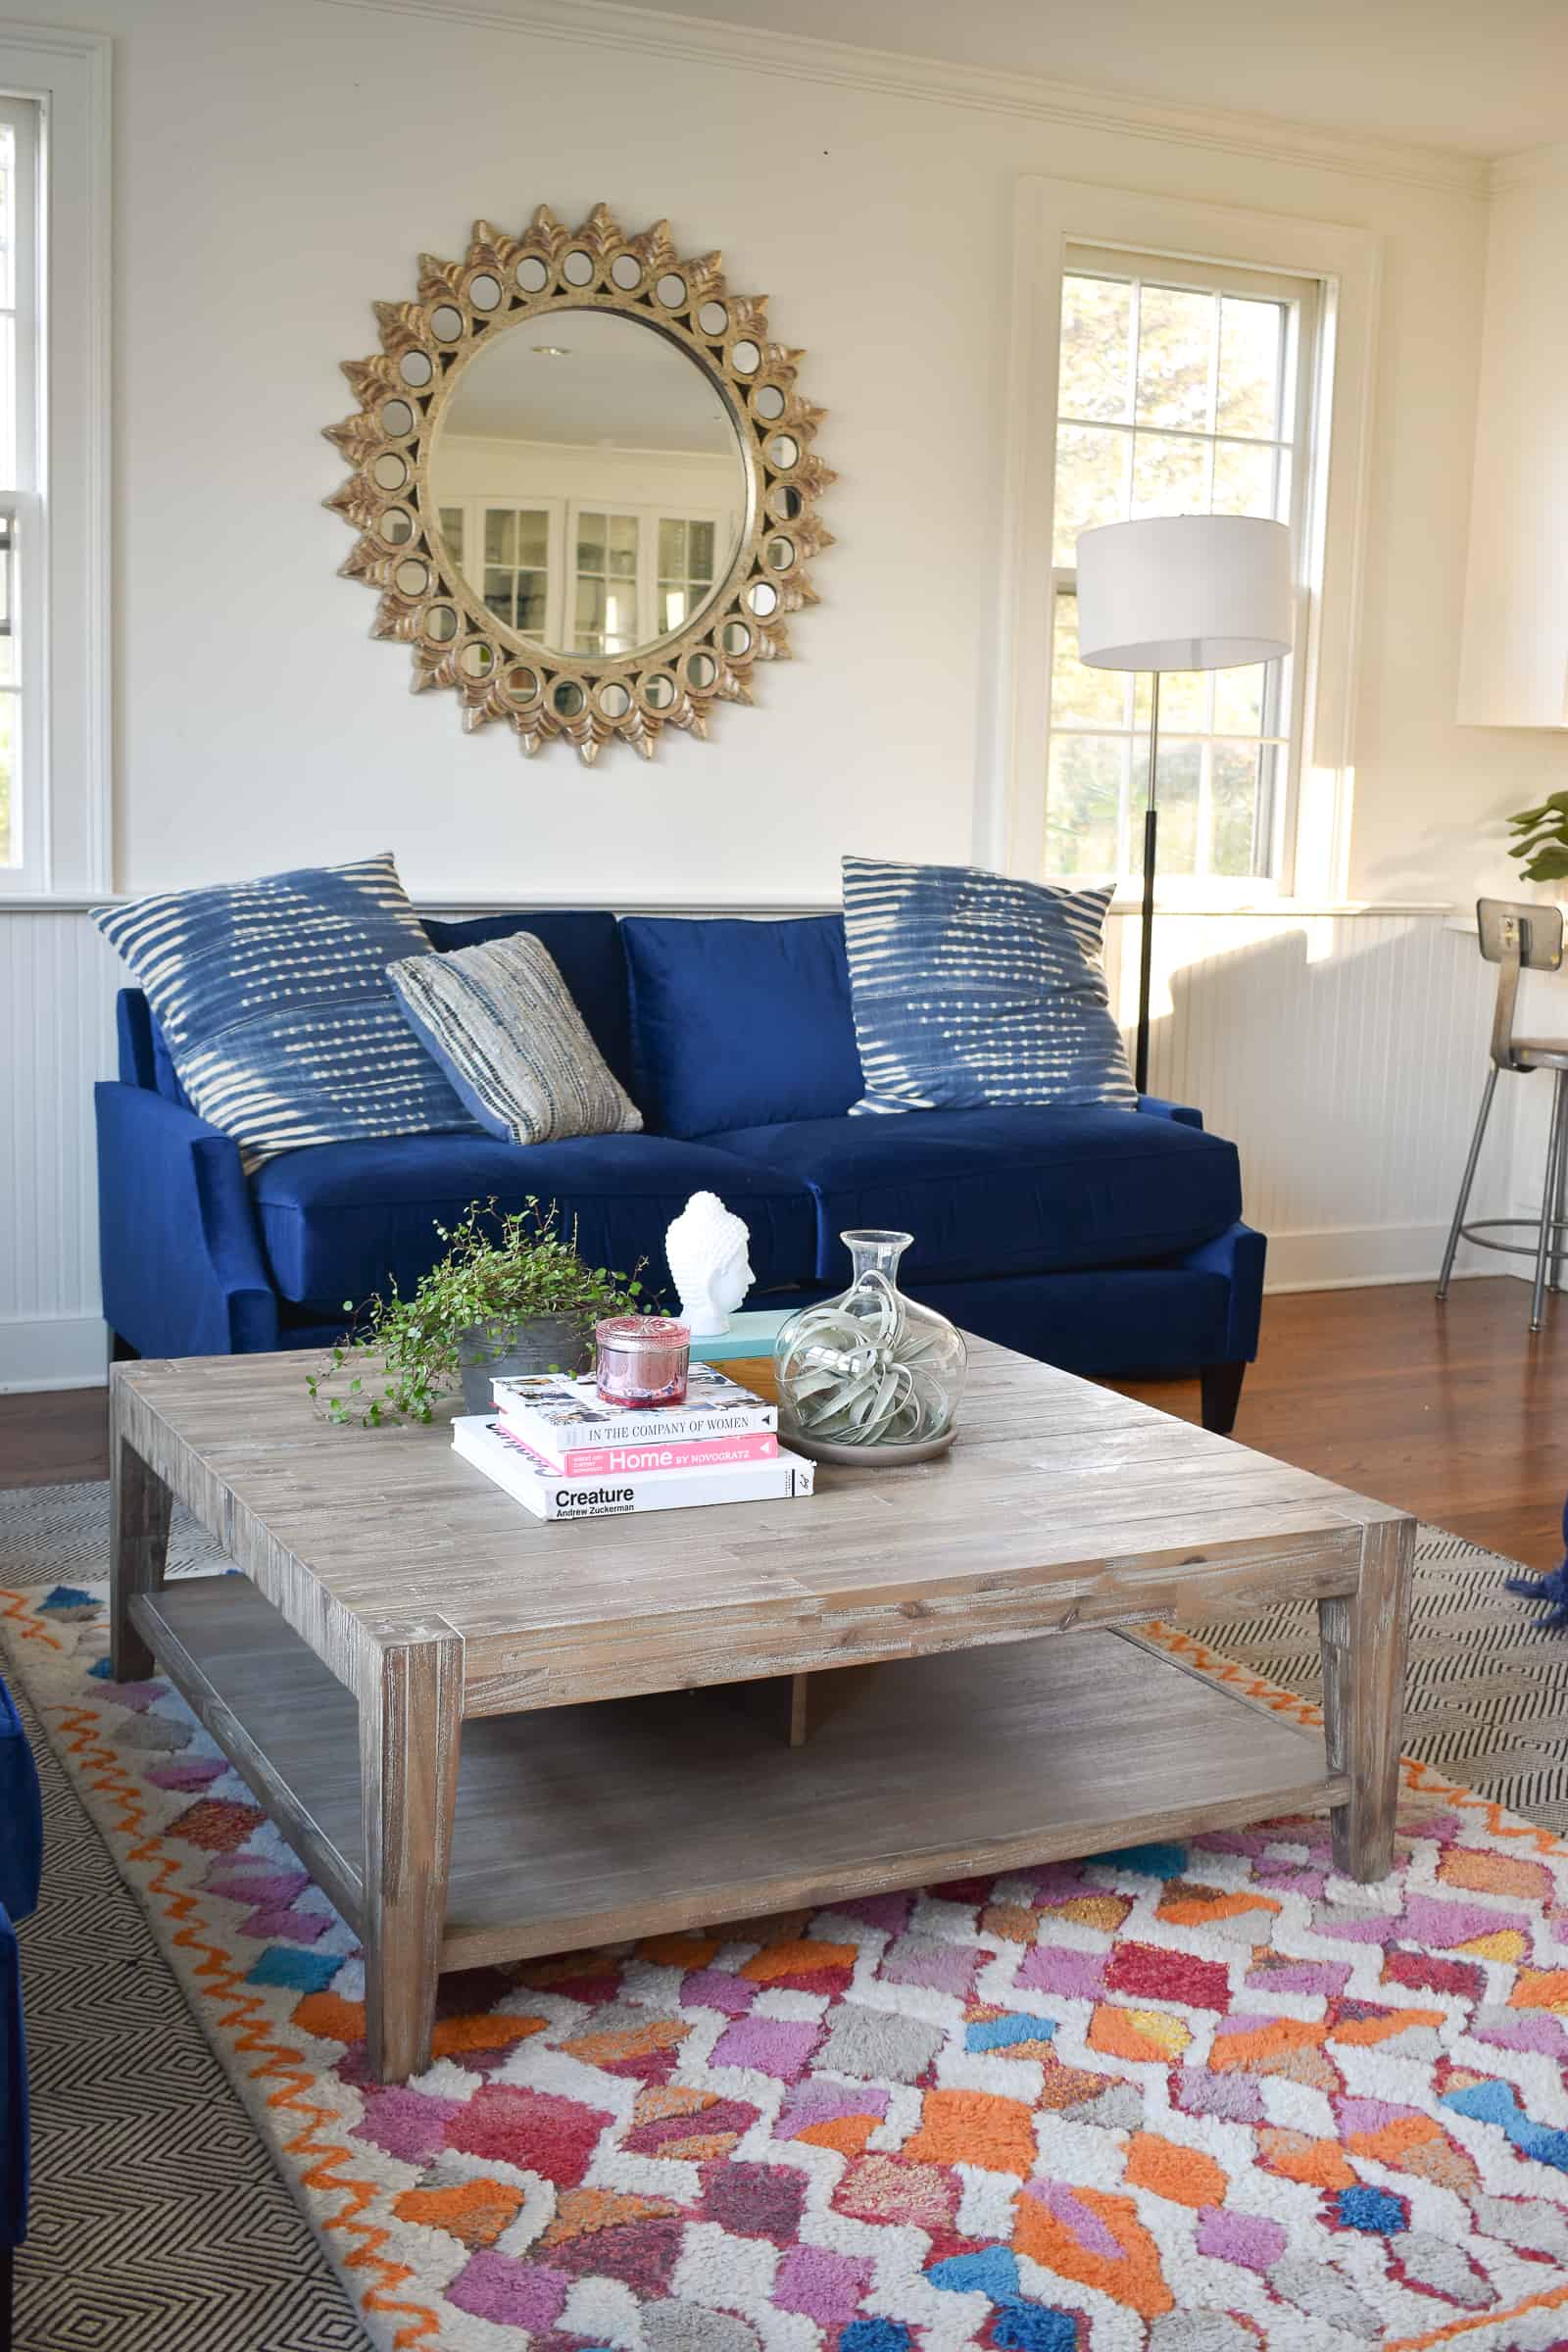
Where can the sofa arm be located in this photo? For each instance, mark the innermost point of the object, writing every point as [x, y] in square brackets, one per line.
[1155, 1107]
[182, 1266]
[1239, 1253]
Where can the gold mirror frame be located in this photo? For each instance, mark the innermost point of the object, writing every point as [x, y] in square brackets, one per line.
[425, 600]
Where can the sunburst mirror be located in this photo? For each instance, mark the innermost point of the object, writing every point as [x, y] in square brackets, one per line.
[584, 483]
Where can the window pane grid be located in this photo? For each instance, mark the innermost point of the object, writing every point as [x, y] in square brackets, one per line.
[1174, 398]
[15, 335]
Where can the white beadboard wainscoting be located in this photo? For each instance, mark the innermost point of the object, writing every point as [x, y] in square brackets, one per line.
[57, 979]
[1343, 1051]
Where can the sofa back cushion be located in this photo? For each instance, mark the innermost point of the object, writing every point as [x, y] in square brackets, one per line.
[274, 999]
[739, 1023]
[586, 951]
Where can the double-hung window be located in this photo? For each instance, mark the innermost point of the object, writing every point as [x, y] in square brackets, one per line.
[1184, 389]
[22, 509]
[54, 736]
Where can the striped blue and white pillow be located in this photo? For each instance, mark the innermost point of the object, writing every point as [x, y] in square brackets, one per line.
[972, 991]
[275, 1002]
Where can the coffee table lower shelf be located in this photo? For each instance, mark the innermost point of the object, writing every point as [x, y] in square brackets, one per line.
[589, 1823]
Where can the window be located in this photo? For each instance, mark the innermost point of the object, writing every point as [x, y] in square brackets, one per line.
[22, 520]
[1183, 390]
[55, 735]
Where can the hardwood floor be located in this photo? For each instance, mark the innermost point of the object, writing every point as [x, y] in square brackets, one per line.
[1455, 1412]
[54, 1438]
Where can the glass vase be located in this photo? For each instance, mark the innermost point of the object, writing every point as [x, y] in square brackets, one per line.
[869, 1374]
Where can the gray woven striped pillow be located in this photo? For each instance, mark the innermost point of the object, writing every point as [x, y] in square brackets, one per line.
[500, 1022]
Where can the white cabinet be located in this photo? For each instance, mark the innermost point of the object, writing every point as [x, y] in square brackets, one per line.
[1514, 666]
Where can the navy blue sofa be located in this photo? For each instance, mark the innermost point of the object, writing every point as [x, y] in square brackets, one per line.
[1108, 1242]
[20, 1862]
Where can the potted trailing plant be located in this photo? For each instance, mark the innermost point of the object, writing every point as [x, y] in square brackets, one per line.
[1540, 839]
[511, 1295]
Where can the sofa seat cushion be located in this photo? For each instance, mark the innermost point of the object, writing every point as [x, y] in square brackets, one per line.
[1006, 1191]
[339, 1220]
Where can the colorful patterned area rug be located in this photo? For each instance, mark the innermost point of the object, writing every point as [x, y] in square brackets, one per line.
[1182, 2098]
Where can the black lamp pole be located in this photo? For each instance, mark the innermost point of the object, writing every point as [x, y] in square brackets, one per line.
[1147, 950]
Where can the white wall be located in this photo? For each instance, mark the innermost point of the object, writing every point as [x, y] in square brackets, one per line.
[277, 167]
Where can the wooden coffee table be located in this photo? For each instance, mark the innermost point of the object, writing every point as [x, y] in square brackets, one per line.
[659, 1719]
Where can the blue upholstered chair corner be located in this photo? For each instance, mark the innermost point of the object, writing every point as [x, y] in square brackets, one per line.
[21, 1870]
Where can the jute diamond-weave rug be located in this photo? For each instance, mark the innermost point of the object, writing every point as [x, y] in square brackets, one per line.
[1184, 2098]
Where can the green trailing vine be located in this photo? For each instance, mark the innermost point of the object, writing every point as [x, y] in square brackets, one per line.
[501, 1269]
[1540, 839]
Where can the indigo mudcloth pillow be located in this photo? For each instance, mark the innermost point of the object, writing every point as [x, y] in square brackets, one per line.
[501, 1023]
[972, 991]
[274, 999]
[738, 1023]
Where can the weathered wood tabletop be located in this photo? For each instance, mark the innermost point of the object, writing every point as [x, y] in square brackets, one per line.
[434, 1600]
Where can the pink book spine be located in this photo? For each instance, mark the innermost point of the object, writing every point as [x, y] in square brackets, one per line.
[697, 1453]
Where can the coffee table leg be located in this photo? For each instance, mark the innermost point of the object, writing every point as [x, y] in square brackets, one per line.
[1364, 1635]
[140, 1506]
[410, 1719]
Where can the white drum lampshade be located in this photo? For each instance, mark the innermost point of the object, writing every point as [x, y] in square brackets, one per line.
[1184, 591]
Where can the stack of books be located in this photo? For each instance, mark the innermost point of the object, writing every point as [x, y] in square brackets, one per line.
[560, 1451]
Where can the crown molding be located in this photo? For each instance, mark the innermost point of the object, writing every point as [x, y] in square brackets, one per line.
[699, 40]
[55, 40]
[1530, 168]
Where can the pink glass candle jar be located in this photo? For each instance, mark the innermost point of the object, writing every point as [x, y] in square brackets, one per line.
[641, 1360]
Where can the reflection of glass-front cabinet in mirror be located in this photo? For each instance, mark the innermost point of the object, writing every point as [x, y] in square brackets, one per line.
[591, 579]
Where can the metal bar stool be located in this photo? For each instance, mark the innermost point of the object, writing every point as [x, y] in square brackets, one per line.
[1520, 939]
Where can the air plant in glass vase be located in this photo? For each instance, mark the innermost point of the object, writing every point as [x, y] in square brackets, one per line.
[869, 1376]
[512, 1294]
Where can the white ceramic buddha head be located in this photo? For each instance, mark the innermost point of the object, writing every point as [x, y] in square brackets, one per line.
[708, 1248]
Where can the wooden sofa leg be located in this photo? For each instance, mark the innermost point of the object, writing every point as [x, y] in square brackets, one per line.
[1222, 1394]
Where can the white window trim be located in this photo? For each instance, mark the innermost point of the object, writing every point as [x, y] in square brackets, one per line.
[68, 74]
[1053, 215]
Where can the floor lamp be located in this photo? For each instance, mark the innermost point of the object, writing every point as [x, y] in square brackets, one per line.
[1180, 592]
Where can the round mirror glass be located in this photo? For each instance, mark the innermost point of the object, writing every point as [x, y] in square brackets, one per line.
[590, 482]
